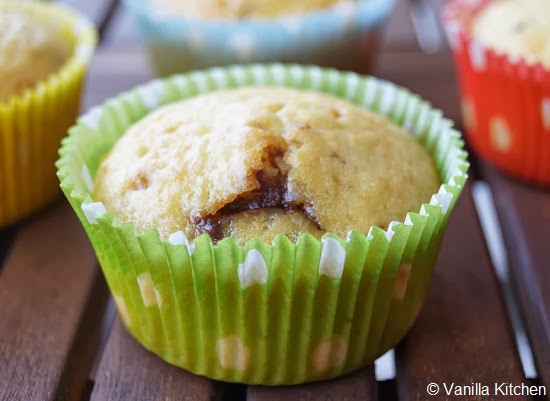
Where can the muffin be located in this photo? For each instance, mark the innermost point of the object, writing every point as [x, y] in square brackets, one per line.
[44, 50]
[264, 9]
[518, 28]
[502, 51]
[262, 161]
[184, 36]
[30, 52]
[264, 226]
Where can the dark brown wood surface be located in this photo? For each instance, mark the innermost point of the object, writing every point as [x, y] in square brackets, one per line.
[431, 76]
[360, 385]
[524, 212]
[399, 33]
[50, 288]
[129, 372]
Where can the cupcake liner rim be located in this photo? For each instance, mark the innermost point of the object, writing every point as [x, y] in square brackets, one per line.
[151, 96]
[376, 10]
[85, 41]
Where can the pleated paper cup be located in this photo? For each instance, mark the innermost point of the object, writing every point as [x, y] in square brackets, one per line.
[279, 313]
[33, 124]
[505, 100]
[345, 37]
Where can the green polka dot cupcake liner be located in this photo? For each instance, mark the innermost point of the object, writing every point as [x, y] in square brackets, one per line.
[277, 313]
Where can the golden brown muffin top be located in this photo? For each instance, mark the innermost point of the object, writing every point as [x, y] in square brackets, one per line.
[288, 160]
[237, 9]
[30, 52]
[520, 28]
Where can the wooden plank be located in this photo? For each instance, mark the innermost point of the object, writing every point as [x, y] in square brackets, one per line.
[122, 31]
[129, 372]
[100, 12]
[45, 291]
[399, 33]
[462, 335]
[431, 76]
[426, 21]
[524, 213]
[113, 71]
[7, 236]
[82, 356]
[117, 68]
[359, 386]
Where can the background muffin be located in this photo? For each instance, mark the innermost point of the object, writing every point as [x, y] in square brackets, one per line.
[502, 51]
[238, 9]
[193, 165]
[30, 51]
[344, 35]
[44, 52]
[266, 313]
[519, 28]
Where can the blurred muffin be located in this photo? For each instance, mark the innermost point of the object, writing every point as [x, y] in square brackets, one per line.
[172, 161]
[263, 161]
[519, 28]
[184, 36]
[30, 52]
[502, 52]
[44, 52]
[237, 9]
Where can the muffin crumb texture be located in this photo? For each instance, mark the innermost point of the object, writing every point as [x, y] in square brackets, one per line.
[240, 9]
[519, 28]
[262, 161]
[30, 52]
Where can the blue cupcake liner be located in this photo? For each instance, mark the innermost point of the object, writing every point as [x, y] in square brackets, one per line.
[340, 37]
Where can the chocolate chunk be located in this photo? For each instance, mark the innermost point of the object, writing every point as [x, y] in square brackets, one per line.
[272, 193]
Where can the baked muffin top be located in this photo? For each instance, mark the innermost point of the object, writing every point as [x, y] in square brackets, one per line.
[520, 28]
[262, 161]
[236, 9]
[30, 52]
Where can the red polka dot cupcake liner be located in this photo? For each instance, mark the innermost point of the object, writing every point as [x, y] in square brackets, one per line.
[505, 101]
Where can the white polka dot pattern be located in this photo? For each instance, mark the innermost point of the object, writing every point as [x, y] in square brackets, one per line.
[179, 238]
[501, 137]
[545, 109]
[150, 296]
[330, 354]
[333, 258]
[232, 353]
[93, 211]
[196, 39]
[253, 270]
[243, 44]
[401, 281]
[468, 115]
[477, 56]
[122, 310]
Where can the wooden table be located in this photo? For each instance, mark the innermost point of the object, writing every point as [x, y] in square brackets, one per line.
[60, 338]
